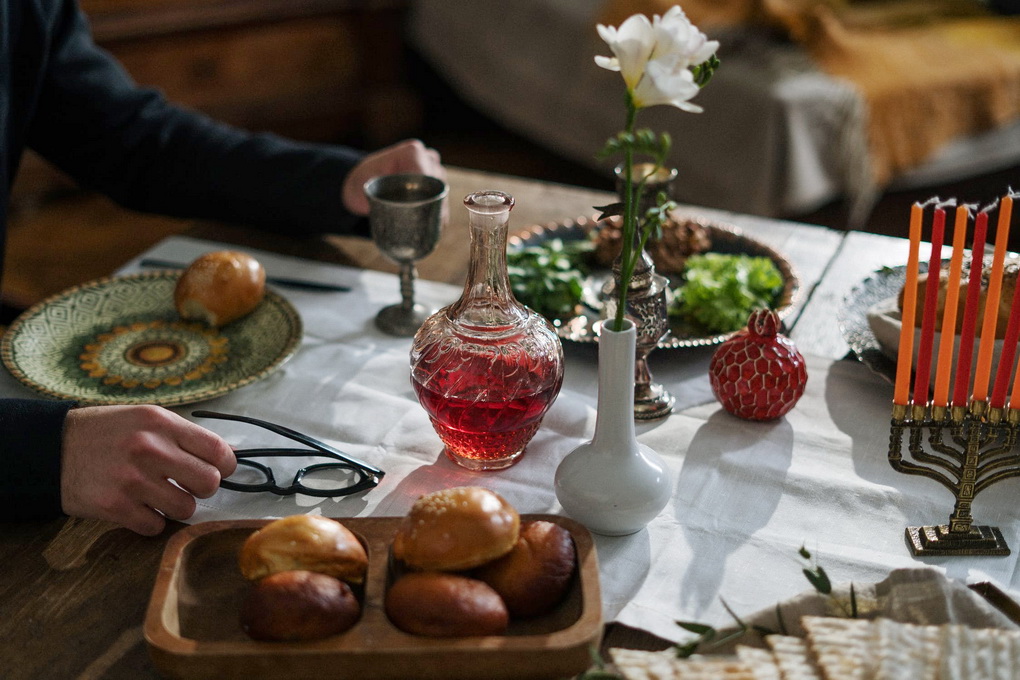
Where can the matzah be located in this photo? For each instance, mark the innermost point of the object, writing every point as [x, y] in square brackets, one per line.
[844, 649]
[761, 662]
[793, 657]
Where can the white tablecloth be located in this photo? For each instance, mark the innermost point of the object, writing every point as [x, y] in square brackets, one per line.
[747, 495]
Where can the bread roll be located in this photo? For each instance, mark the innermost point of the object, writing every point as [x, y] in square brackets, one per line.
[306, 542]
[1009, 280]
[439, 604]
[456, 529]
[298, 605]
[220, 287]
[534, 576]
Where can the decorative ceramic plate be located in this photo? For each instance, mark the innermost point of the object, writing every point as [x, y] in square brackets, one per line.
[725, 238]
[119, 340]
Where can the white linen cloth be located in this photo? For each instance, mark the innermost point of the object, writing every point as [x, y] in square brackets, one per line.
[747, 495]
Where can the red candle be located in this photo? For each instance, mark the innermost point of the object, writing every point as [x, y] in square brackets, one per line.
[905, 357]
[922, 376]
[947, 338]
[970, 311]
[983, 372]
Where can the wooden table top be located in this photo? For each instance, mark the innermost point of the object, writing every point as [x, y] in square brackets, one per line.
[73, 592]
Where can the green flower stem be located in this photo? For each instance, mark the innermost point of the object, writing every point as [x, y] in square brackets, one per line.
[627, 258]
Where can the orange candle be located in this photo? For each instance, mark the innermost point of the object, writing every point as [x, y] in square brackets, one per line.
[905, 358]
[922, 372]
[947, 339]
[965, 357]
[983, 372]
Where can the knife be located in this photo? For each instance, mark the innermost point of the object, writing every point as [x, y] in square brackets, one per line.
[292, 283]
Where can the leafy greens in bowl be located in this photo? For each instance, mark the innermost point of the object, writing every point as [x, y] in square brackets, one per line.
[708, 301]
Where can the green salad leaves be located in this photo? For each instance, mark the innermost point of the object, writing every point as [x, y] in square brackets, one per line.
[720, 291]
[549, 277]
[716, 294]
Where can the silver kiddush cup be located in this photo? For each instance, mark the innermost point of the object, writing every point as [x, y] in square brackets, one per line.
[405, 216]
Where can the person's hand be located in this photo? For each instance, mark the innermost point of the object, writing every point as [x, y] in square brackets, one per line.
[118, 463]
[410, 156]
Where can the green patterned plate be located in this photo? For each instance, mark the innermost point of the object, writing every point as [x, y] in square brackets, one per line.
[119, 340]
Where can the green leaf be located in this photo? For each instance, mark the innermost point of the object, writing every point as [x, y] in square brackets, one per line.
[803, 552]
[610, 210]
[819, 579]
[697, 628]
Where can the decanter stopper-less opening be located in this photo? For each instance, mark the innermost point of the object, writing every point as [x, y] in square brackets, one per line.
[486, 368]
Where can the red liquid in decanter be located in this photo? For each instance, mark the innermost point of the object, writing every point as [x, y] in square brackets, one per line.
[486, 368]
[480, 407]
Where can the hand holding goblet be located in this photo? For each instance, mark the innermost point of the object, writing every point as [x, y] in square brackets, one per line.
[406, 219]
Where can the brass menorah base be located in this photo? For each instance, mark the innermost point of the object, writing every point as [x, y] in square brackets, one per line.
[935, 541]
[966, 451]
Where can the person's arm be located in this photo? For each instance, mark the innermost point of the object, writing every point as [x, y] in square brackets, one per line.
[135, 466]
[31, 431]
[92, 121]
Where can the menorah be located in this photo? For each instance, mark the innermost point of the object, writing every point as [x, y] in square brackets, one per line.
[965, 441]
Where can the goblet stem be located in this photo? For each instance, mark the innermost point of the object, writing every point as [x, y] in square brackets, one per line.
[407, 276]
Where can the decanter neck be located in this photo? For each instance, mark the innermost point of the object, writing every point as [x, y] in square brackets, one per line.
[487, 300]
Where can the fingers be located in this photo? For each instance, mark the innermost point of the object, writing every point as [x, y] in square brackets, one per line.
[138, 465]
[205, 445]
[408, 156]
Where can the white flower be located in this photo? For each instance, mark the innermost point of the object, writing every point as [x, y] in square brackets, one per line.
[655, 57]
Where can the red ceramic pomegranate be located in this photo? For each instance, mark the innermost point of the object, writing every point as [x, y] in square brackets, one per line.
[758, 374]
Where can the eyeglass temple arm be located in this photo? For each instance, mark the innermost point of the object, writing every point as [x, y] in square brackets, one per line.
[292, 434]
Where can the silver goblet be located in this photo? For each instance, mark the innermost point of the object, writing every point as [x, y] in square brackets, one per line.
[406, 218]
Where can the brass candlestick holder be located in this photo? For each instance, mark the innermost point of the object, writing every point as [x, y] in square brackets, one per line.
[965, 450]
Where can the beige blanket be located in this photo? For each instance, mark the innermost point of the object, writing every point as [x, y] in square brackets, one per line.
[930, 71]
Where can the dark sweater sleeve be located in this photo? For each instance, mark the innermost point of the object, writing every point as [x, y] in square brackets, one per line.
[31, 431]
[128, 142]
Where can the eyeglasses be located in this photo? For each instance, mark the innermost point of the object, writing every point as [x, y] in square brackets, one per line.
[356, 475]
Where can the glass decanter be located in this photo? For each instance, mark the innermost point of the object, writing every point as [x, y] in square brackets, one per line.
[486, 368]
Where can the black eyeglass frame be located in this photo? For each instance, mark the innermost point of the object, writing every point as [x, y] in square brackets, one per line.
[369, 475]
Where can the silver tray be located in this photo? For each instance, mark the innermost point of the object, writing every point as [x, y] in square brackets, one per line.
[725, 238]
[853, 316]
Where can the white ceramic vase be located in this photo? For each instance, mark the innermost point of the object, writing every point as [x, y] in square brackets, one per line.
[614, 485]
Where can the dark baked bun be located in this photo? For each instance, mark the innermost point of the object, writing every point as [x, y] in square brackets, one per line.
[456, 529]
[307, 542]
[438, 604]
[1011, 269]
[220, 287]
[298, 605]
[534, 576]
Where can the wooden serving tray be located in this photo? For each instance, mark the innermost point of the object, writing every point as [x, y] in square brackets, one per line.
[193, 631]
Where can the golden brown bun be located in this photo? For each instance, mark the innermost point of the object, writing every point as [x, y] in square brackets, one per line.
[438, 604]
[220, 287]
[455, 529]
[534, 576]
[1009, 280]
[298, 605]
[307, 542]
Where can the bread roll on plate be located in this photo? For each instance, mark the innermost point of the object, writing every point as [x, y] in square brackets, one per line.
[304, 542]
[220, 287]
[456, 529]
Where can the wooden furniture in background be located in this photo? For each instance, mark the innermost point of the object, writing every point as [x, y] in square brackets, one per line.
[315, 70]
